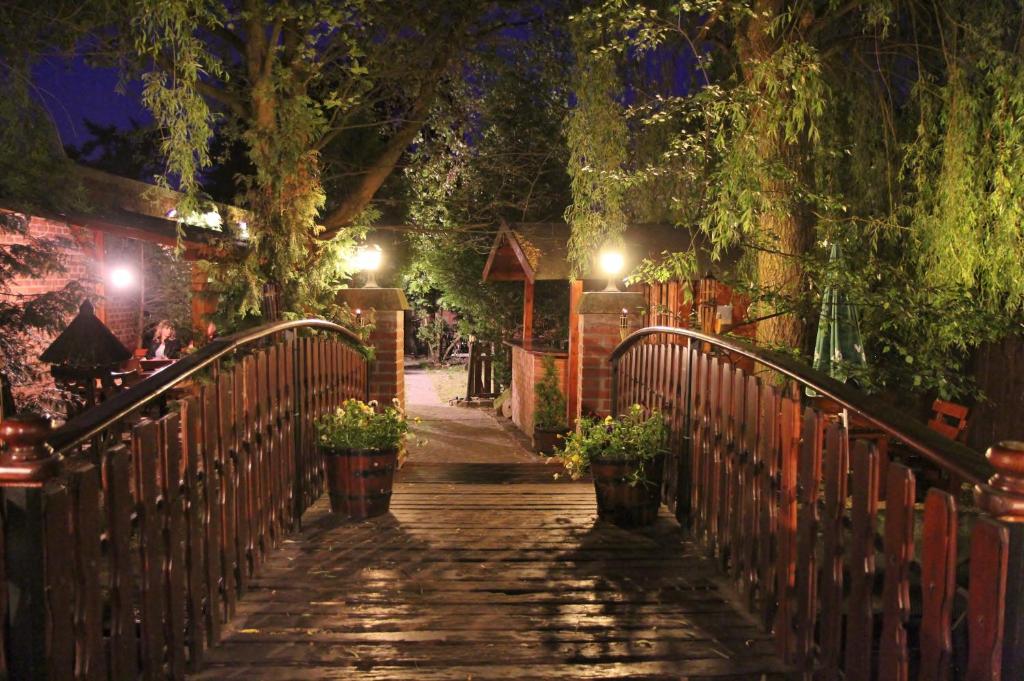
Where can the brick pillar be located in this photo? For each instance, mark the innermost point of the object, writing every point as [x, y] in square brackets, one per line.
[599, 315]
[384, 308]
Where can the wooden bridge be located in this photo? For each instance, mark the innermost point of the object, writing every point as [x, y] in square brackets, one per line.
[146, 541]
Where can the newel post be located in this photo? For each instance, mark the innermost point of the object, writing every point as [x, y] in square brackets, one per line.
[604, 319]
[1003, 499]
[27, 471]
[385, 308]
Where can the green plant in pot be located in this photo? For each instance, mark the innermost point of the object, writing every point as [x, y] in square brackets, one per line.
[360, 443]
[626, 458]
[549, 410]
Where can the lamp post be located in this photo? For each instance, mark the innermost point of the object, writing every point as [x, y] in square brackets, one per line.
[611, 263]
[368, 260]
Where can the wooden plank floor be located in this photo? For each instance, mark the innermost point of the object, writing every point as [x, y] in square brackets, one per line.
[505, 579]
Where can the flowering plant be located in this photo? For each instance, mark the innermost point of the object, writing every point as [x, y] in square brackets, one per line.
[359, 425]
[630, 437]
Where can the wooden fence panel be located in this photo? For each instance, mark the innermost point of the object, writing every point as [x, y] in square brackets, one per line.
[230, 564]
[786, 524]
[120, 506]
[59, 579]
[151, 547]
[90, 656]
[860, 622]
[173, 569]
[808, 520]
[990, 546]
[836, 470]
[195, 531]
[213, 521]
[938, 585]
[768, 445]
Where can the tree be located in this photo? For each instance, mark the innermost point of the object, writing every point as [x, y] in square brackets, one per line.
[326, 98]
[492, 149]
[34, 176]
[884, 126]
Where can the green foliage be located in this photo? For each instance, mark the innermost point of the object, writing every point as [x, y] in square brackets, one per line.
[597, 137]
[168, 290]
[322, 96]
[34, 176]
[630, 437]
[549, 403]
[356, 425]
[889, 128]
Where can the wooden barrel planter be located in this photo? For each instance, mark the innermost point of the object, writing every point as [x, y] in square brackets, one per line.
[620, 502]
[359, 482]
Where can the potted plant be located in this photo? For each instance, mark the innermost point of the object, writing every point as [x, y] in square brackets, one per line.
[360, 443]
[549, 410]
[626, 457]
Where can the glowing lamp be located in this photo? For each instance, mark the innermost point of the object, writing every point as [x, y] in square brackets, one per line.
[121, 277]
[611, 263]
[369, 259]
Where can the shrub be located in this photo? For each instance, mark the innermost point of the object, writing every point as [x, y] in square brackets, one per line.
[356, 425]
[549, 408]
[630, 437]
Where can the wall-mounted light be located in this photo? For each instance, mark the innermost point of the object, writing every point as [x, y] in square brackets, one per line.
[243, 229]
[624, 324]
[611, 263]
[368, 260]
[121, 277]
[359, 317]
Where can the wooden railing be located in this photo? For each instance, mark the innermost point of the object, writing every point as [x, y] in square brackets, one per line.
[857, 574]
[131, 532]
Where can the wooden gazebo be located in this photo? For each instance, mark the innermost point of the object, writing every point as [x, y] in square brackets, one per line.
[532, 252]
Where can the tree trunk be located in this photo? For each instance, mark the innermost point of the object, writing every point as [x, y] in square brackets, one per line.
[784, 228]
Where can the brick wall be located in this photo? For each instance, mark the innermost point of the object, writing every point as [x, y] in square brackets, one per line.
[598, 335]
[83, 263]
[527, 369]
[123, 309]
[387, 371]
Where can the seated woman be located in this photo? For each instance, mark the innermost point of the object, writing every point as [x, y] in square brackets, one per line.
[165, 344]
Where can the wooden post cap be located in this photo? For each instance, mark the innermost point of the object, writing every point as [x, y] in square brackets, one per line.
[1003, 496]
[25, 458]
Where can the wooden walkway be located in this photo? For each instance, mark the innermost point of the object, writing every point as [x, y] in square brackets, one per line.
[488, 571]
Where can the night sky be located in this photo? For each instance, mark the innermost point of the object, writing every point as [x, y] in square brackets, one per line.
[72, 91]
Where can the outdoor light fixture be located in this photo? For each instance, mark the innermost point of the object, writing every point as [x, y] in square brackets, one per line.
[121, 277]
[624, 324]
[359, 317]
[611, 263]
[368, 259]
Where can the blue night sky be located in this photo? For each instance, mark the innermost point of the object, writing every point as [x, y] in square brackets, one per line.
[73, 91]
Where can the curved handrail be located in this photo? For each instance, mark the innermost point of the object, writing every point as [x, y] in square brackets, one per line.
[93, 421]
[956, 458]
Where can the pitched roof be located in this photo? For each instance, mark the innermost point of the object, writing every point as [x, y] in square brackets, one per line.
[539, 251]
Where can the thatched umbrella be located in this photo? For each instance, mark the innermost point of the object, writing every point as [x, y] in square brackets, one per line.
[84, 358]
[87, 343]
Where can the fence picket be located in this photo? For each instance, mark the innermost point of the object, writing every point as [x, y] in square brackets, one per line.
[938, 585]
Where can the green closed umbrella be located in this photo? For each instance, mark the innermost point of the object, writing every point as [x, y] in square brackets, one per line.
[839, 343]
